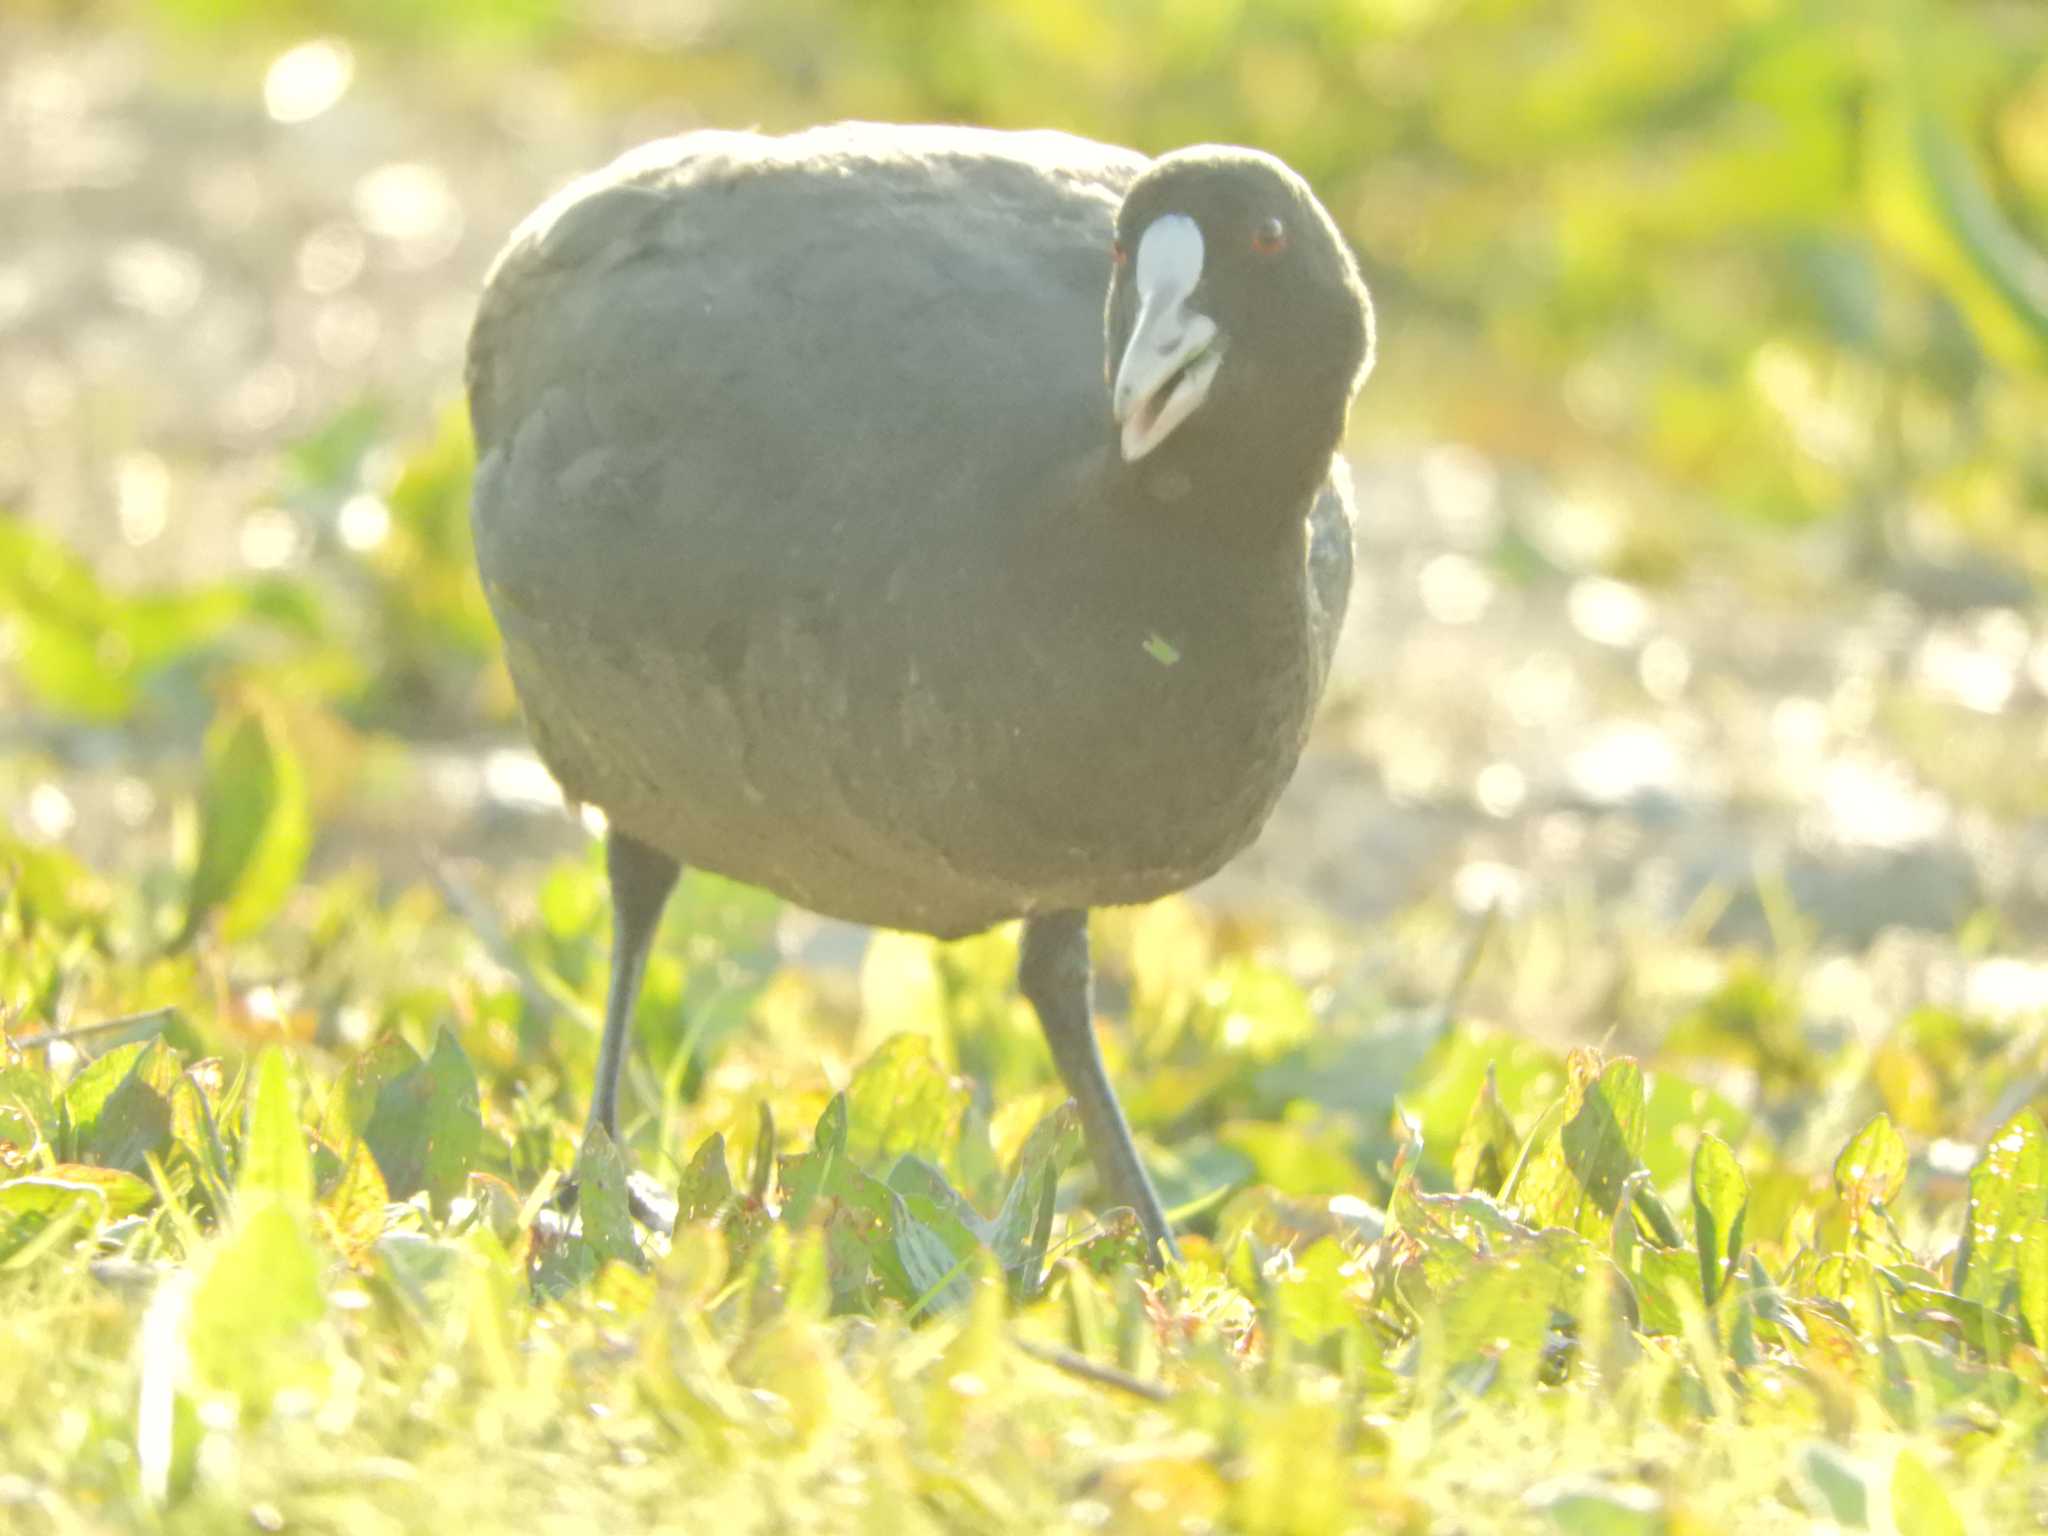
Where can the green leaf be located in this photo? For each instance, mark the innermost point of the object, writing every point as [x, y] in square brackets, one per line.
[134, 1121]
[383, 1062]
[938, 1276]
[935, 1199]
[859, 1211]
[821, 1170]
[1845, 1277]
[423, 1273]
[1767, 1301]
[251, 1327]
[1485, 1285]
[1650, 1208]
[2008, 1193]
[1598, 1511]
[1920, 1503]
[829, 1137]
[1023, 1226]
[275, 1163]
[425, 1128]
[1656, 1266]
[761, 1168]
[1840, 1484]
[125, 1193]
[41, 1211]
[1485, 1320]
[1575, 1171]
[807, 1291]
[601, 1203]
[567, 1256]
[1317, 1294]
[254, 828]
[901, 1102]
[1930, 201]
[1720, 1200]
[2033, 1304]
[1872, 1168]
[354, 1209]
[1488, 1143]
[28, 1111]
[60, 623]
[87, 1093]
[706, 1187]
[1945, 1317]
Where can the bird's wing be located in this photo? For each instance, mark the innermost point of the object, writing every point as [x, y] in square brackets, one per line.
[738, 402]
[922, 216]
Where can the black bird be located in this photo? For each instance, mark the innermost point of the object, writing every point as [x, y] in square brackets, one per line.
[831, 552]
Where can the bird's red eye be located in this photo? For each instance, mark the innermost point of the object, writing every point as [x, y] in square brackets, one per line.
[1270, 238]
[1117, 253]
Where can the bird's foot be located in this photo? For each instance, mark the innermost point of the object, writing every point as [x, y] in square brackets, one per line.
[652, 1203]
[647, 1199]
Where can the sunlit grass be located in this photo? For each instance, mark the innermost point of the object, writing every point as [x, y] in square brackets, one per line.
[281, 1258]
[276, 1249]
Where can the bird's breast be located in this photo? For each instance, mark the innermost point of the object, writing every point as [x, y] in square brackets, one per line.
[1130, 718]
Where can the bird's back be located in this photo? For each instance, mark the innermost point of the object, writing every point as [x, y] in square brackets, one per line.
[792, 323]
[767, 430]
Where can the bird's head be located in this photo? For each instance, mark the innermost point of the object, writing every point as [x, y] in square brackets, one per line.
[1237, 322]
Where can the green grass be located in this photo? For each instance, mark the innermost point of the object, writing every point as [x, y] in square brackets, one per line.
[280, 1258]
[274, 1253]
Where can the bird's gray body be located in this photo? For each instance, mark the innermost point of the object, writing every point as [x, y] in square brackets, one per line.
[788, 506]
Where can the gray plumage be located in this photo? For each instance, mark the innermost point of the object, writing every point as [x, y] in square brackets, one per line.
[773, 436]
[819, 559]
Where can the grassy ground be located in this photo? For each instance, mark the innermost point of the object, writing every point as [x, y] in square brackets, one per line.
[284, 1260]
[1763, 813]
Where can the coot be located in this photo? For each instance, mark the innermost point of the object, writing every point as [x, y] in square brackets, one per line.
[935, 526]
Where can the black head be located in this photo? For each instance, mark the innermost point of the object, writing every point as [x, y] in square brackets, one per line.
[1238, 331]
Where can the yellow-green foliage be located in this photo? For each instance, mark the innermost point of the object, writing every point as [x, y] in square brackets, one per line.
[1781, 256]
[277, 1248]
[257, 1267]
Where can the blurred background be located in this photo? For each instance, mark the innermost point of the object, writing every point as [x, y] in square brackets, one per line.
[1704, 474]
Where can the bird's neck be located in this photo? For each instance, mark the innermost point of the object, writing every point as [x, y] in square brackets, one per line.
[1249, 518]
[1169, 546]
[1248, 489]
[1191, 560]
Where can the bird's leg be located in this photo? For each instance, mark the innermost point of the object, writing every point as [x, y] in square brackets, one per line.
[1055, 974]
[641, 879]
